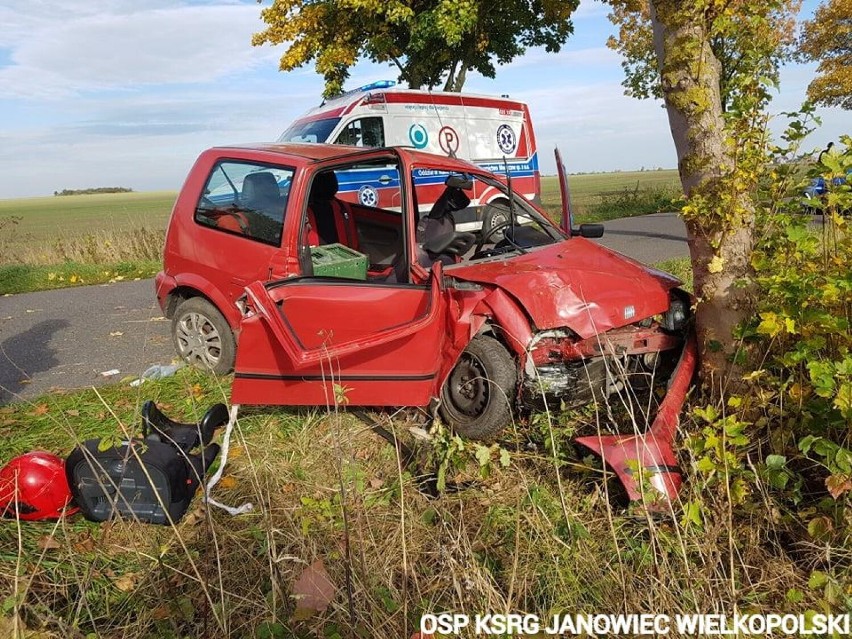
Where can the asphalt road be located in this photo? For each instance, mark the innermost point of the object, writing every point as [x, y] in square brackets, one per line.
[67, 338]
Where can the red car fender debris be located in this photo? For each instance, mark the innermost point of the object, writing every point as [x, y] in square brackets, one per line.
[652, 452]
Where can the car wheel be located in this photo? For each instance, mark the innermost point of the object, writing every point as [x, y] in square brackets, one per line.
[476, 400]
[496, 213]
[202, 336]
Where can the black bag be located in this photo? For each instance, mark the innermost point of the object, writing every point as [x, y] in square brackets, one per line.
[150, 479]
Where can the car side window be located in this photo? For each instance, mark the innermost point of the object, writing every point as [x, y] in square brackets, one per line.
[368, 132]
[247, 199]
[352, 226]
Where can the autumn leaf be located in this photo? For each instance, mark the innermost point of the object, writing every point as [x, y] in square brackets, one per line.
[228, 482]
[313, 591]
[716, 264]
[41, 409]
[126, 582]
[837, 485]
[48, 542]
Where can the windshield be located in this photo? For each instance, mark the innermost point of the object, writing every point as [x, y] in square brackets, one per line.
[311, 131]
[510, 223]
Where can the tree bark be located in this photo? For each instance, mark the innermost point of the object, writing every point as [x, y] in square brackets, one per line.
[720, 231]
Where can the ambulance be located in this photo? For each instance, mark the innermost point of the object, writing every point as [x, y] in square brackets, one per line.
[494, 133]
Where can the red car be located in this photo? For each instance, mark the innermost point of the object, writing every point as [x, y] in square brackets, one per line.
[391, 306]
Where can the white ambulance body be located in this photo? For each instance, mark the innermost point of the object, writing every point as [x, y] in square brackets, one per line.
[494, 133]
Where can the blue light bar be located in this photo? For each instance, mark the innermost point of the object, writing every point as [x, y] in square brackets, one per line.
[381, 84]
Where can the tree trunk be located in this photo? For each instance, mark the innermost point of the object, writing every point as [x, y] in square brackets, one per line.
[460, 78]
[719, 225]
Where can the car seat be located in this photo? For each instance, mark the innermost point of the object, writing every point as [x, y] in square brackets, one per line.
[261, 194]
[437, 239]
[329, 219]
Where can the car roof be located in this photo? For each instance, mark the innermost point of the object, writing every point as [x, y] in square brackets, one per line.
[321, 152]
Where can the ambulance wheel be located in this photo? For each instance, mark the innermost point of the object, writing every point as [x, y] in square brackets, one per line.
[202, 336]
[496, 213]
[476, 400]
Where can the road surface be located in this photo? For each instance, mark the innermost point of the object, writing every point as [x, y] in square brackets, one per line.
[67, 338]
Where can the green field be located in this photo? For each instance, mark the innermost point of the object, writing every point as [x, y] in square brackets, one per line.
[44, 218]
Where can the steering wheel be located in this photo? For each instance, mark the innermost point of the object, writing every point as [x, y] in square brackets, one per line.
[477, 253]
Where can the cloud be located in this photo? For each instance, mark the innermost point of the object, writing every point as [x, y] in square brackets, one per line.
[590, 9]
[119, 47]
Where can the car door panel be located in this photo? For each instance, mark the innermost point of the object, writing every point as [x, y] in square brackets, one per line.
[382, 343]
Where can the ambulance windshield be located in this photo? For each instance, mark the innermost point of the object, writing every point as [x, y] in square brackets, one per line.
[310, 131]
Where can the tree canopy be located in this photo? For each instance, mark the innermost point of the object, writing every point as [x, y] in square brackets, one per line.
[827, 39]
[431, 42]
[736, 36]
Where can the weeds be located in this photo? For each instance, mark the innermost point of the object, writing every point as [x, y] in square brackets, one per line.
[629, 202]
[101, 247]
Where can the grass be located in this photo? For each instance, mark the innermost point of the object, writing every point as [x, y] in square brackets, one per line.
[533, 532]
[598, 197]
[46, 218]
[24, 278]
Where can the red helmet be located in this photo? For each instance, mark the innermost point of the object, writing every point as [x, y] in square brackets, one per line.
[33, 486]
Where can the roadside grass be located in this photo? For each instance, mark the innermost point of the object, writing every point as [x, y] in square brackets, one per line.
[24, 278]
[598, 197]
[532, 530]
[681, 268]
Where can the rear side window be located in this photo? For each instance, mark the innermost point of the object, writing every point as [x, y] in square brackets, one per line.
[363, 132]
[244, 198]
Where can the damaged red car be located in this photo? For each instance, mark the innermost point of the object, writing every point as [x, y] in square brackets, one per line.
[364, 292]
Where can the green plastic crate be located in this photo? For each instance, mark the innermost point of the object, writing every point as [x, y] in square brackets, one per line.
[337, 260]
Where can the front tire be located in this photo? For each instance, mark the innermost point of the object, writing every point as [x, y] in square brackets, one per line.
[476, 400]
[203, 337]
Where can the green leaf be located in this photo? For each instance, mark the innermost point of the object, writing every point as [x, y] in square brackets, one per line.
[505, 459]
[483, 455]
[705, 465]
[818, 579]
[775, 462]
[794, 596]
[692, 515]
[820, 527]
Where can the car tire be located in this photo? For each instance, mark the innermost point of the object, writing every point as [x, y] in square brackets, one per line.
[496, 213]
[476, 400]
[203, 337]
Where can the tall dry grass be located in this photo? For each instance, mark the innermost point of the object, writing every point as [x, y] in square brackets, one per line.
[97, 247]
[325, 486]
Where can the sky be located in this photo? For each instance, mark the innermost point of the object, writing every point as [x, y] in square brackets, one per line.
[100, 93]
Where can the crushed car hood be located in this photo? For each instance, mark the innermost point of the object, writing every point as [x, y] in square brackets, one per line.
[575, 284]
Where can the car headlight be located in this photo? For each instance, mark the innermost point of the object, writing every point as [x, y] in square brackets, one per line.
[678, 314]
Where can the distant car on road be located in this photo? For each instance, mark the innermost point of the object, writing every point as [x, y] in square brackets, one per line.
[817, 189]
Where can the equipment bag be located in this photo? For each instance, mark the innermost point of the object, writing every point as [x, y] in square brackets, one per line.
[150, 479]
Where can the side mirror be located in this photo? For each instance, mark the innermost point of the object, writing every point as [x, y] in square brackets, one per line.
[589, 230]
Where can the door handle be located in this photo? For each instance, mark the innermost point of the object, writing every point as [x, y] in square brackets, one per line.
[385, 179]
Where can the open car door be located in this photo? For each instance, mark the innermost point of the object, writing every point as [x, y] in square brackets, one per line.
[567, 221]
[302, 340]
